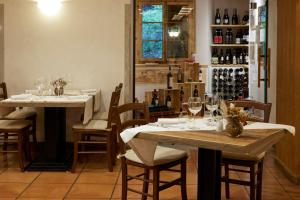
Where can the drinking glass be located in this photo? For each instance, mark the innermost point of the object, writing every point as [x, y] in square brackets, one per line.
[212, 104]
[195, 106]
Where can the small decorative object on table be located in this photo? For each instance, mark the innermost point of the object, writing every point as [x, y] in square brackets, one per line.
[59, 86]
[236, 119]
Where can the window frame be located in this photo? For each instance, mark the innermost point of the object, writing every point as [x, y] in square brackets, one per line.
[139, 41]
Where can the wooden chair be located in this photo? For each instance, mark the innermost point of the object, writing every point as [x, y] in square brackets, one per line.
[163, 158]
[104, 115]
[20, 130]
[255, 164]
[20, 114]
[102, 131]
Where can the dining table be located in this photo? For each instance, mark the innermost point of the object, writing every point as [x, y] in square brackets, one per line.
[53, 155]
[256, 138]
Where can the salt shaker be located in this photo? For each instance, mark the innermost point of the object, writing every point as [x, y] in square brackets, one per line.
[219, 125]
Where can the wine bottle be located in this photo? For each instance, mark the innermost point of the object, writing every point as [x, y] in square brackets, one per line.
[221, 61]
[156, 97]
[195, 92]
[234, 59]
[170, 79]
[246, 57]
[246, 18]
[238, 37]
[226, 17]
[235, 19]
[169, 100]
[215, 58]
[228, 58]
[180, 76]
[181, 97]
[229, 36]
[200, 76]
[218, 17]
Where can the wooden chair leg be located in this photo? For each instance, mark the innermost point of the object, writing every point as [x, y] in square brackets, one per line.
[252, 182]
[4, 147]
[183, 180]
[227, 189]
[259, 180]
[155, 184]
[33, 133]
[75, 152]
[124, 179]
[109, 153]
[20, 151]
[27, 145]
[145, 184]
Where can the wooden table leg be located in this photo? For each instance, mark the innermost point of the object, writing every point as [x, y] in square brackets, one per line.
[209, 174]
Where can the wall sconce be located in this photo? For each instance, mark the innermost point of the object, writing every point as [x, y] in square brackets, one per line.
[174, 31]
[49, 7]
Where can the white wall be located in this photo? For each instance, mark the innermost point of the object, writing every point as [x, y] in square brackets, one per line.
[273, 47]
[85, 40]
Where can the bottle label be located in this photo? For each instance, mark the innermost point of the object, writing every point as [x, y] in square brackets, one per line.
[226, 21]
[169, 104]
[171, 82]
[238, 41]
[200, 77]
[218, 21]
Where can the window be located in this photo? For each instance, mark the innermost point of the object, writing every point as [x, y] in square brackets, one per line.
[152, 31]
[165, 31]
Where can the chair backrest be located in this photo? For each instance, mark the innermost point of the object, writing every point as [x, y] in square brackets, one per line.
[255, 105]
[114, 101]
[3, 91]
[118, 111]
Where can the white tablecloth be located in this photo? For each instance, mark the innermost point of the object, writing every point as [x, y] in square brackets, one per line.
[186, 124]
[86, 99]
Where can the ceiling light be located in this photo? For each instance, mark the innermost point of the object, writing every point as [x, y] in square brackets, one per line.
[50, 7]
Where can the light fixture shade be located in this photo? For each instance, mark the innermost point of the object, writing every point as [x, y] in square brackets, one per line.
[50, 7]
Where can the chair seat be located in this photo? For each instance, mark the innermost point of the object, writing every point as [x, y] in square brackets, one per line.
[101, 116]
[10, 125]
[93, 125]
[162, 155]
[20, 114]
[235, 156]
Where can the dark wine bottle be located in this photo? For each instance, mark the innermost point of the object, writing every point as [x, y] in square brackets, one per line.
[170, 79]
[246, 18]
[218, 17]
[169, 100]
[235, 19]
[200, 75]
[195, 92]
[221, 59]
[180, 76]
[226, 17]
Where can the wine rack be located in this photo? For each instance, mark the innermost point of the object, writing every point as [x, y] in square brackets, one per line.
[230, 83]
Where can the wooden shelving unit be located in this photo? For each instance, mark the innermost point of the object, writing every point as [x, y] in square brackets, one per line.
[229, 26]
[231, 45]
[237, 65]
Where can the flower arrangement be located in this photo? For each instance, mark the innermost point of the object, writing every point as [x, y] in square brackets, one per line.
[59, 83]
[231, 110]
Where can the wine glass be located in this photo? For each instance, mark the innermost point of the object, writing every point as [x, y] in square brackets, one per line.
[212, 104]
[195, 106]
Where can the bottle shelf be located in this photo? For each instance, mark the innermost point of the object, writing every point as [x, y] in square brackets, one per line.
[229, 26]
[231, 65]
[230, 45]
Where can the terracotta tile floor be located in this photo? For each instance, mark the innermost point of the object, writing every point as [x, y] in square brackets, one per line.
[93, 181]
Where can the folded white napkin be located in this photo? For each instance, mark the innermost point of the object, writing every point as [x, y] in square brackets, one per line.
[72, 92]
[261, 125]
[21, 96]
[78, 97]
[89, 90]
[171, 120]
[130, 133]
